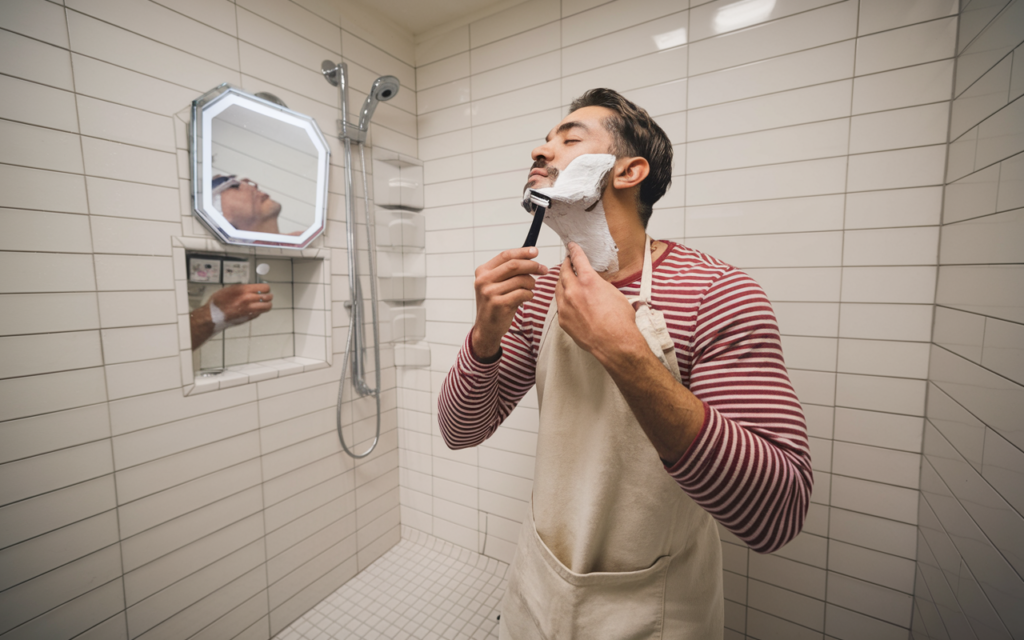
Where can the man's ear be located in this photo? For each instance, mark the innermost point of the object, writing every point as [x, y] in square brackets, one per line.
[630, 172]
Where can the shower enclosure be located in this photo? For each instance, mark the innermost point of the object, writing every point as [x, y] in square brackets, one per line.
[861, 159]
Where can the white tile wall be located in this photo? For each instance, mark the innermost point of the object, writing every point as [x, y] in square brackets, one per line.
[128, 509]
[968, 575]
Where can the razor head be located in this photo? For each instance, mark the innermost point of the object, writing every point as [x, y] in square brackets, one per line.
[535, 200]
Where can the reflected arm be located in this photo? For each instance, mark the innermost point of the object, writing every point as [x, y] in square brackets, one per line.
[232, 305]
[201, 325]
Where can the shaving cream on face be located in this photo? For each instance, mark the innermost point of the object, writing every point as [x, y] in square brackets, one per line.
[576, 213]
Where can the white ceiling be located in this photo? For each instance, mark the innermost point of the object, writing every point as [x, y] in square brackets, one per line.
[419, 16]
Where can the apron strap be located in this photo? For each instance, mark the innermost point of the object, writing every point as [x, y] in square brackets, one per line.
[548, 319]
[647, 277]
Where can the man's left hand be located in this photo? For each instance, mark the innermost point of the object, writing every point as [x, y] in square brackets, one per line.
[600, 319]
[593, 312]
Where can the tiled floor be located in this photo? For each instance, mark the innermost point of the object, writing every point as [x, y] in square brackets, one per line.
[423, 588]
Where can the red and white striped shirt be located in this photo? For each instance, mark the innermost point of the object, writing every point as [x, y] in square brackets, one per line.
[750, 466]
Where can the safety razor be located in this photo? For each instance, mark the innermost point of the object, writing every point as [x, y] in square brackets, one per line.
[537, 203]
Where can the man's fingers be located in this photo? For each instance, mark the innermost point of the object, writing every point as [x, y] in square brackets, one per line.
[258, 300]
[258, 308]
[505, 286]
[566, 277]
[519, 253]
[515, 298]
[511, 270]
[579, 259]
[517, 267]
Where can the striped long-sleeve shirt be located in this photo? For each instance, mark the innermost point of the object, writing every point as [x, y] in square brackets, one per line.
[749, 466]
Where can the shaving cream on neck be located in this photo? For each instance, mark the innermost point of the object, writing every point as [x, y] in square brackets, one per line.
[576, 213]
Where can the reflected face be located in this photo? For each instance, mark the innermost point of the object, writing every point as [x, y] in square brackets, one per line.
[582, 131]
[248, 208]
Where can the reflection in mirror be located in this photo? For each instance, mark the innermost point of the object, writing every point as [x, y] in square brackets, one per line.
[239, 311]
[259, 170]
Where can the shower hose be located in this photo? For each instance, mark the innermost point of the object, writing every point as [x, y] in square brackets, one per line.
[354, 343]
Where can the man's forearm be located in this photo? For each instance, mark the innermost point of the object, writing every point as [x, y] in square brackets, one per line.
[668, 413]
[475, 397]
[201, 325]
[486, 345]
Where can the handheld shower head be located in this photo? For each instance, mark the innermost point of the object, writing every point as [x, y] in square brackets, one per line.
[384, 88]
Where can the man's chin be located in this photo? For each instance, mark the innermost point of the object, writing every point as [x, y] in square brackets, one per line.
[537, 182]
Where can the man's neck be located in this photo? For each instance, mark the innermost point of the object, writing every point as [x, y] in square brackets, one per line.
[266, 225]
[629, 236]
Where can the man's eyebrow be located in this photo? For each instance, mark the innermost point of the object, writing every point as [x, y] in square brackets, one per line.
[565, 126]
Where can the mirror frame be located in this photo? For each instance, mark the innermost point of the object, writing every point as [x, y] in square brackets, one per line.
[204, 109]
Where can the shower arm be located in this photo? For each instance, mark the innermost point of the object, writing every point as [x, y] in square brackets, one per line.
[349, 131]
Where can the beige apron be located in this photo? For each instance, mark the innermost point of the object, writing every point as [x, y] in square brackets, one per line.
[611, 548]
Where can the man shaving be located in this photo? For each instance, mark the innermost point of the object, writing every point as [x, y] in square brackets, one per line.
[665, 404]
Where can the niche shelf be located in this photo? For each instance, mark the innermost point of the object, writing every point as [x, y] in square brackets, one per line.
[293, 338]
[401, 257]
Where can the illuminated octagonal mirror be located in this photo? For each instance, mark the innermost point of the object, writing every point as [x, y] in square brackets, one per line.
[259, 170]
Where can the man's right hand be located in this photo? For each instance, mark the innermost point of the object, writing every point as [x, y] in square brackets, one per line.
[243, 302]
[234, 304]
[502, 284]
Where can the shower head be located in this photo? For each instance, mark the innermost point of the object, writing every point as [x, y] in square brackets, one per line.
[330, 71]
[384, 88]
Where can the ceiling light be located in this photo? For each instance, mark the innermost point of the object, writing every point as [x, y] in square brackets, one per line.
[670, 39]
[742, 14]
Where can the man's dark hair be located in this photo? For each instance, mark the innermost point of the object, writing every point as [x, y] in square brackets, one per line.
[635, 134]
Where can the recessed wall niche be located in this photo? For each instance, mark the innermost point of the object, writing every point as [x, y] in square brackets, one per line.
[293, 337]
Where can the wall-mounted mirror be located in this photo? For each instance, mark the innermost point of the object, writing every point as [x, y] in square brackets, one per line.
[259, 170]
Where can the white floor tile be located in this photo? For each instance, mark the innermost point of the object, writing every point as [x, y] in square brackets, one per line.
[422, 588]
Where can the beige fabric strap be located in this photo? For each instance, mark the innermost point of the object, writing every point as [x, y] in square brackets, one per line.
[647, 276]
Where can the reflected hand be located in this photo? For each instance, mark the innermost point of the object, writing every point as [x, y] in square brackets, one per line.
[227, 307]
[241, 302]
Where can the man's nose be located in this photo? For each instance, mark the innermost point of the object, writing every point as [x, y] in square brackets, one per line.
[543, 151]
